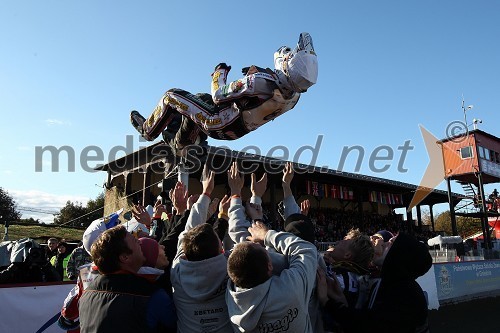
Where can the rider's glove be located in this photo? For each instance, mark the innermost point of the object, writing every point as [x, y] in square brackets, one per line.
[223, 65]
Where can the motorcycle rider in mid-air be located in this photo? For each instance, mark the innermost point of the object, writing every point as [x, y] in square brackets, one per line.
[236, 108]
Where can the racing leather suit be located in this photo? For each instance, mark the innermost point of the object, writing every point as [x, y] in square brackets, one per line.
[232, 110]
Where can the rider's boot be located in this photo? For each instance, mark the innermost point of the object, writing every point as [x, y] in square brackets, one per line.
[137, 121]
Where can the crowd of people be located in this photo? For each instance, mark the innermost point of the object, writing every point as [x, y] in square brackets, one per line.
[30, 262]
[215, 265]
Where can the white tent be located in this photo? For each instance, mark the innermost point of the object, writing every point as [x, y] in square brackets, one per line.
[440, 240]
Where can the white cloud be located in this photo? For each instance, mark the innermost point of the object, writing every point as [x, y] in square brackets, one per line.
[43, 201]
[56, 122]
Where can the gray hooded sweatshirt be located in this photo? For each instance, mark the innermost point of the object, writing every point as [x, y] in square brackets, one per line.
[238, 230]
[281, 303]
[200, 286]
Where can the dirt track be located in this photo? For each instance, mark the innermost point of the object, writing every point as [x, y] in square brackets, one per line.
[475, 316]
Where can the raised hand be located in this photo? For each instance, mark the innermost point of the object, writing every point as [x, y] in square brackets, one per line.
[141, 215]
[159, 209]
[304, 207]
[179, 198]
[192, 200]
[224, 205]
[212, 208]
[287, 179]
[207, 180]
[288, 173]
[258, 232]
[235, 180]
[254, 211]
[259, 187]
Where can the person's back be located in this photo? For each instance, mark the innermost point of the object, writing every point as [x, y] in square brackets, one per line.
[77, 258]
[200, 282]
[199, 271]
[129, 295]
[261, 302]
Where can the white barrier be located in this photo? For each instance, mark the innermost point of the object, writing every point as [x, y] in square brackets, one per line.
[428, 283]
[27, 309]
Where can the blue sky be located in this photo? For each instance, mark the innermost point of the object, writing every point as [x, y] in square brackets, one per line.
[70, 72]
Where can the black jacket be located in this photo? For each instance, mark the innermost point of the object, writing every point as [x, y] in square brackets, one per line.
[125, 302]
[400, 304]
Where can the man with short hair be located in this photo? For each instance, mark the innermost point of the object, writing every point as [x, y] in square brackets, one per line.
[199, 270]
[119, 300]
[51, 249]
[349, 260]
[397, 303]
[259, 301]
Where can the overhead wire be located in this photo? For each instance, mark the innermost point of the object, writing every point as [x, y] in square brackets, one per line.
[168, 176]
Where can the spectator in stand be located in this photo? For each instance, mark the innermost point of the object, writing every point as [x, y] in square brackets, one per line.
[199, 272]
[77, 258]
[397, 304]
[51, 249]
[119, 300]
[60, 261]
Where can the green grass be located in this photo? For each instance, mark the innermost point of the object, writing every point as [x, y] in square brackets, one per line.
[42, 232]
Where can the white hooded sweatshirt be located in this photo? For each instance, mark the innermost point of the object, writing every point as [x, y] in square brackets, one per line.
[200, 286]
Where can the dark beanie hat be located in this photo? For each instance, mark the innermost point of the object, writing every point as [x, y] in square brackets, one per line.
[301, 226]
[150, 250]
[386, 235]
[63, 244]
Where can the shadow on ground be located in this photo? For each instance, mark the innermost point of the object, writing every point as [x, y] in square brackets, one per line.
[475, 316]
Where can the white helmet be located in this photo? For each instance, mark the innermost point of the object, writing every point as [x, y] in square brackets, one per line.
[300, 65]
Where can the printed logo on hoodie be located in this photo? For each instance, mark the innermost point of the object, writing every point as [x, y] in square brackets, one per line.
[280, 325]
